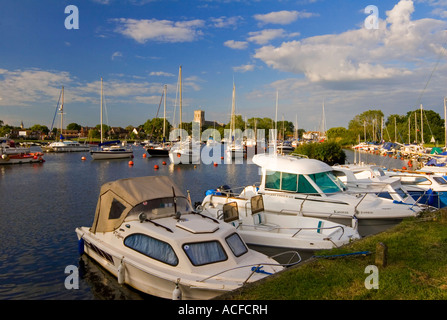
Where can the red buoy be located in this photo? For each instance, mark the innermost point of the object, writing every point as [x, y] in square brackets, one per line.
[131, 163]
[156, 167]
[163, 163]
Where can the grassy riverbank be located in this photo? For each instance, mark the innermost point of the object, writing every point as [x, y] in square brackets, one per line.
[416, 268]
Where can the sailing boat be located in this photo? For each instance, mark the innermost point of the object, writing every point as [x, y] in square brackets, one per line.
[184, 151]
[64, 145]
[161, 150]
[234, 149]
[110, 149]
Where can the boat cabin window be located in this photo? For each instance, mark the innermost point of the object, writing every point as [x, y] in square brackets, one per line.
[116, 209]
[236, 245]
[440, 180]
[151, 247]
[162, 207]
[327, 182]
[283, 181]
[413, 180]
[201, 253]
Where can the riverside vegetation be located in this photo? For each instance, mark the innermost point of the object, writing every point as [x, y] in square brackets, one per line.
[416, 268]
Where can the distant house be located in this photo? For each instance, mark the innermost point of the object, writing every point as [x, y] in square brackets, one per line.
[118, 132]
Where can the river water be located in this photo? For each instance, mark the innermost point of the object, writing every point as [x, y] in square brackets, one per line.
[42, 204]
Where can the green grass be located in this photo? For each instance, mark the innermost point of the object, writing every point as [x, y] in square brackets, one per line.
[416, 268]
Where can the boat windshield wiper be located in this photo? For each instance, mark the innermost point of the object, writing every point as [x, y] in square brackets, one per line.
[205, 216]
[159, 225]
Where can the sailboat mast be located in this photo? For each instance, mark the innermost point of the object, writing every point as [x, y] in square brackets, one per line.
[180, 95]
[62, 112]
[233, 111]
[445, 122]
[101, 113]
[422, 126]
[164, 113]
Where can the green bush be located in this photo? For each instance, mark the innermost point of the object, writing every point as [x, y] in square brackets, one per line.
[329, 152]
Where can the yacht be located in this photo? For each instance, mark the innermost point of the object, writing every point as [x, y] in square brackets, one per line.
[146, 234]
[66, 146]
[112, 150]
[308, 187]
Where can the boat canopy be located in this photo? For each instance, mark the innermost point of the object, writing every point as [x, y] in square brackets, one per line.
[290, 164]
[118, 198]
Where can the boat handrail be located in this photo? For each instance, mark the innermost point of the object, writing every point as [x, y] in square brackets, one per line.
[256, 266]
[321, 228]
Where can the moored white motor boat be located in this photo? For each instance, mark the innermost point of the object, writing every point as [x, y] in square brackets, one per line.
[272, 229]
[307, 187]
[146, 234]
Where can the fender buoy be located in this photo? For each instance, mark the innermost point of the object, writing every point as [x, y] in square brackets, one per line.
[81, 246]
[121, 272]
[177, 293]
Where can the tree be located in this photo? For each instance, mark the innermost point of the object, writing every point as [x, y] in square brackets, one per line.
[154, 129]
[329, 152]
[368, 122]
[74, 126]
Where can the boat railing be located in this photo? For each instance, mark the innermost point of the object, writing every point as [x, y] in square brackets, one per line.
[256, 267]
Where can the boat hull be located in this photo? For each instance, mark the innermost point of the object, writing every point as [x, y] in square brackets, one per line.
[158, 152]
[104, 155]
[21, 158]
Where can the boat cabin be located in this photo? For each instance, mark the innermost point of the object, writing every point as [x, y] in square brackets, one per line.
[297, 175]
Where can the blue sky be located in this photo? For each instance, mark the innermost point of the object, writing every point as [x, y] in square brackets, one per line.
[309, 51]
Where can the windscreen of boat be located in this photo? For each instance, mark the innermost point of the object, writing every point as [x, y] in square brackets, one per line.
[236, 245]
[440, 180]
[327, 182]
[161, 206]
[202, 253]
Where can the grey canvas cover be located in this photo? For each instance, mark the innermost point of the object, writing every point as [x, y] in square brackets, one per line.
[118, 197]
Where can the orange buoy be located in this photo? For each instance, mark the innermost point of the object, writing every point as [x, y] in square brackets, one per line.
[215, 164]
[130, 163]
[404, 168]
[163, 163]
[83, 158]
[178, 155]
[156, 167]
[144, 155]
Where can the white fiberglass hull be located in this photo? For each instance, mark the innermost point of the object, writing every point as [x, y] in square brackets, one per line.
[149, 279]
[103, 155]
[282, 230]
[184, 156]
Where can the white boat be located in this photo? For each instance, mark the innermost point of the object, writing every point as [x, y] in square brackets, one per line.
[259, 227]
[20, 158]
[234, 149]
[146, 234]
[427, 187]
[185, 151]
[285, 148]
[8, 146]
[66, 146]
[372, 179]
[110, 149]
[308, 187]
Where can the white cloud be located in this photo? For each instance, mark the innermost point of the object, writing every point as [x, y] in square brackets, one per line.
[24, 87]
[361, 54]
[226, 22]
[264, 36]
[160, 30]
[282, 17]
[236, 44]
[161, 74]
[116, 54]
[244, 68]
